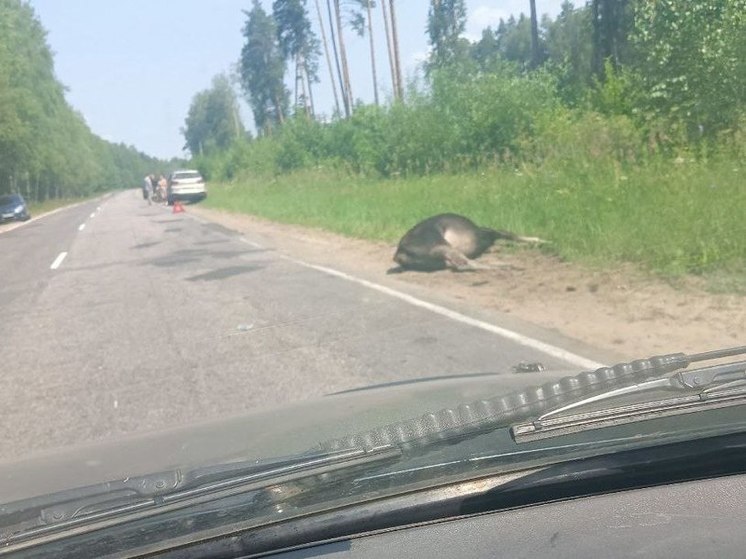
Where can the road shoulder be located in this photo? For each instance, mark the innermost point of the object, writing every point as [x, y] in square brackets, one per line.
[622, 312]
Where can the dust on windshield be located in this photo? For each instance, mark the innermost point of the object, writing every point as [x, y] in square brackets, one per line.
[393, 191]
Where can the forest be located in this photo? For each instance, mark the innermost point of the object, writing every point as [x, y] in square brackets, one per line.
[47, 150]
[645, 76]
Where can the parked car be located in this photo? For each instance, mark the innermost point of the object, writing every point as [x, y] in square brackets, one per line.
[13, 208]
[186, 185]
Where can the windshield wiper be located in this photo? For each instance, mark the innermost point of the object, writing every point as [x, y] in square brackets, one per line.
[34, 521]
[473, 418]
[40, 520]
[711, 387]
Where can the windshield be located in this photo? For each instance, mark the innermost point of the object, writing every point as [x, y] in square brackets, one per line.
[362, 248]
[186, 175]
[11, 199]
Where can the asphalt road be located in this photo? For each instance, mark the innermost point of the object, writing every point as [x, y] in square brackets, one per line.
[154, 319]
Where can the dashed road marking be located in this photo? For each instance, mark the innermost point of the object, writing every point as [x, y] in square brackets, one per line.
[93, 214]
[81, 226]
[58, 261]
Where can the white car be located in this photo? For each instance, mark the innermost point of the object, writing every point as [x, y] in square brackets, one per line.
[186, 185]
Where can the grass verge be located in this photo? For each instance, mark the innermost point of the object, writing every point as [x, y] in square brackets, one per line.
[672, 217]
[38, 208]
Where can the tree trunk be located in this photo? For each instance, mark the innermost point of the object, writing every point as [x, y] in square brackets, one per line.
[236, 126]
[336, 58]
[610, 30]
[302, 78]
[328, 58]
[395, 41]
[296, 101]
[534, 35]
[311, 104]
[372, 52]
[343, 56]
[390, 47]
[278, 109]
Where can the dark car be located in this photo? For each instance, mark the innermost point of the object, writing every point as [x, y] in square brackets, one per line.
[13, 208]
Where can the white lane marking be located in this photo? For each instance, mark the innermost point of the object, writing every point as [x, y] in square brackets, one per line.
[526, 341]
[93, 214]
[81, 226]
[58, 261]
[248, 242]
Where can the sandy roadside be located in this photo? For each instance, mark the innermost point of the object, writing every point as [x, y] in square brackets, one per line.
[622, 311]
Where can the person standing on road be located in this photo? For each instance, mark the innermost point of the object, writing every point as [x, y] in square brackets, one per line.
[162, 184]
[147, 189]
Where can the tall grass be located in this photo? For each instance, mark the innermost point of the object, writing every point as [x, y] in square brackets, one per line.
[37, 208]
[669, 216]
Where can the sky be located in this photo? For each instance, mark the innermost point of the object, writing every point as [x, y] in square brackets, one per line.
[131, 67]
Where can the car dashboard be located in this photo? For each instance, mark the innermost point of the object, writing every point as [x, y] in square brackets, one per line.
[693, 519]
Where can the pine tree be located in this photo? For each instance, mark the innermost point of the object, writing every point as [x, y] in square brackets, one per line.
[299, 44]
[446, 22]
[262, 68]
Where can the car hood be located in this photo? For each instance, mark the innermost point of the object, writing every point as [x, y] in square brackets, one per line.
[264, 434]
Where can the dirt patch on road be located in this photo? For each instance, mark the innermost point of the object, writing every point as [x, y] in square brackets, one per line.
[622, 310]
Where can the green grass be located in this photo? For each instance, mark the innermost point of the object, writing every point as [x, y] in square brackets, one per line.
[37, 208]
[673, 218]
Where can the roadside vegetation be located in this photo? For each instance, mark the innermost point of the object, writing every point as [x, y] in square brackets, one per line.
[671, 217]
[616, 130]
[47, 150]
[38, 208]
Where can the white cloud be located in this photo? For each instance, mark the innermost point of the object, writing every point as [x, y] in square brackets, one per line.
[481, 17]
[485, 16]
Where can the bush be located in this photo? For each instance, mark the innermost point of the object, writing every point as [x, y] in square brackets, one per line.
[467, 120]
[691, 55]
[464, 120]
[584, 138]
[488, 113]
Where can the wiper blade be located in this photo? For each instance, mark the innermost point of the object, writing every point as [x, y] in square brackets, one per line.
[473, 418]
[35, 521]
[719, 395]
[697, 379]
